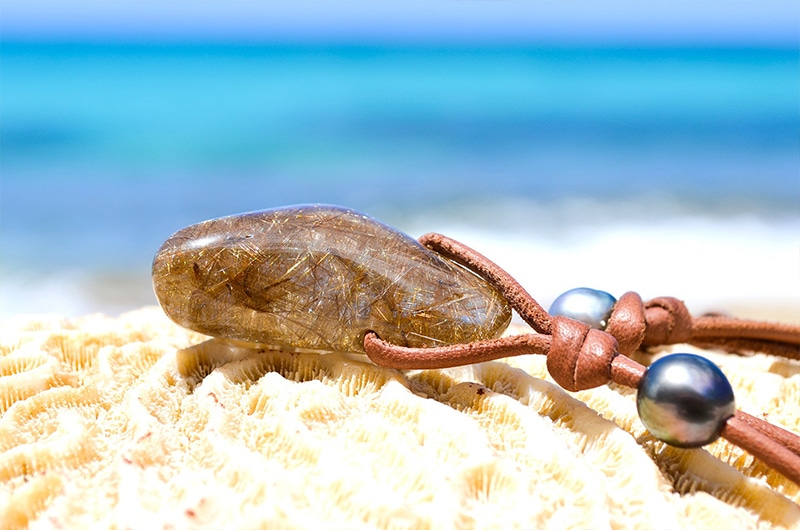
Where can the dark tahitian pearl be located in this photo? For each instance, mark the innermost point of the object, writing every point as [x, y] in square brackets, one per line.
[684, 400]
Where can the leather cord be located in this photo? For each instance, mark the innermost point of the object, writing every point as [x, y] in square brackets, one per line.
[580, 358]
[666, 320]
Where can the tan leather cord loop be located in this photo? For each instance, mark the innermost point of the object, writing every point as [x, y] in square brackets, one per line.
[385, 354]
[743, 346]
[719, 326]
[627, 372]
[627, 322]
[666, 320]
[739, 335]
[784, 437]
[579, 358]
[523, 303]
[763, 447]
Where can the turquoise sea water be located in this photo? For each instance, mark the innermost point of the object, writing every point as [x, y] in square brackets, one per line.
[107, 149]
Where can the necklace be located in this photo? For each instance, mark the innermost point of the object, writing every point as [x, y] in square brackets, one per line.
[331, 279]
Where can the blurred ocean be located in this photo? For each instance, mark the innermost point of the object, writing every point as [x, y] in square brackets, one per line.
[663, 170]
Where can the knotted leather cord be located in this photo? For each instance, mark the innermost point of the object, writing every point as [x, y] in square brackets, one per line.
[666, 320]
[580, 358]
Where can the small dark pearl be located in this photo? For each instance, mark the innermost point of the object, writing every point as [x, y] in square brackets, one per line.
[590, 306]
[684, 400]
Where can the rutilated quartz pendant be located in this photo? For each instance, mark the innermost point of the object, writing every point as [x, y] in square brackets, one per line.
[320, 277]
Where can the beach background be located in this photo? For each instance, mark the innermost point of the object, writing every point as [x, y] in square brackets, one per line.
[625, 148]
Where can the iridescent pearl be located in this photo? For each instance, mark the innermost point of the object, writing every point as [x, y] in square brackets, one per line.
[684, 400]
[590, 306]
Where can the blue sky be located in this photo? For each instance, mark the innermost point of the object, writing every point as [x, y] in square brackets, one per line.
[677, 22]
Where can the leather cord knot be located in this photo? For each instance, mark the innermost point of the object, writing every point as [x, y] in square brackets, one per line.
[660, 321]
[580, 357]
[627, 322]
[668, 322]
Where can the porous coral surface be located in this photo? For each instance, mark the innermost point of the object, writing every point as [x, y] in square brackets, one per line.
[133, 422]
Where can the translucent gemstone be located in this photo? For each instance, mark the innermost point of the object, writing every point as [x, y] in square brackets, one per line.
[320, 277]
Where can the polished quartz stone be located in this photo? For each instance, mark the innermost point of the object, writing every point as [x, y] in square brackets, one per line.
[320, 277]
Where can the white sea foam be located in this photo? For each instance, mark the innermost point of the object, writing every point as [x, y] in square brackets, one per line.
[710, 262]
[74, 293]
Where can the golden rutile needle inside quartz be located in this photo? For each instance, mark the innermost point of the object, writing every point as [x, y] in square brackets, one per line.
[320, 277]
